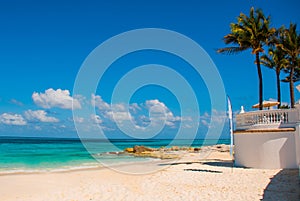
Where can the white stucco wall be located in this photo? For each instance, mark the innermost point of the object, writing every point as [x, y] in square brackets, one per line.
[267, 149]
[297, 144]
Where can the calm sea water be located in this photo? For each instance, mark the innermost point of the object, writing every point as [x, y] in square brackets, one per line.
[44, 154]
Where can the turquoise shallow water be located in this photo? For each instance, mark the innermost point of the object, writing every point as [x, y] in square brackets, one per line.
[36, 154]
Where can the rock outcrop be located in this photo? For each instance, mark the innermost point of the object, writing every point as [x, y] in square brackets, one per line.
[141, 149]
[172, 152]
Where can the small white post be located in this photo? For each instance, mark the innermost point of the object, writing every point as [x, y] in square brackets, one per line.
[242, 110]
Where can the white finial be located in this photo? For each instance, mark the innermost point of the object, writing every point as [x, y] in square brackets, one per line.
[242, 110]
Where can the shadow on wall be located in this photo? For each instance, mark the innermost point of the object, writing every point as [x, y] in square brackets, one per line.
[286, 155]
[283, 186]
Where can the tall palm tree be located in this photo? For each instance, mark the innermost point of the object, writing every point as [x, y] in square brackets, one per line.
[251, 32]
[276, 59]
[290, 44]
[296, 76]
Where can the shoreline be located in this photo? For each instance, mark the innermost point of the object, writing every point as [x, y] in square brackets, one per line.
[193, 177]
[157, 154]
[96, 166]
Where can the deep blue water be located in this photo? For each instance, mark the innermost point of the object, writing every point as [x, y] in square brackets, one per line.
[22, 154]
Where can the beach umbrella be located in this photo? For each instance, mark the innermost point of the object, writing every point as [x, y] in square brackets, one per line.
[267, 104]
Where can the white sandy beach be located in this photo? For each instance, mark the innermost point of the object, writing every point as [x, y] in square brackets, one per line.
[190, 178]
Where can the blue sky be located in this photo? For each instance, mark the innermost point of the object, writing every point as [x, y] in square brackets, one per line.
[44, 43]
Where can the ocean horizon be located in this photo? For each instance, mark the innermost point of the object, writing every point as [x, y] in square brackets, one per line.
[38, 154]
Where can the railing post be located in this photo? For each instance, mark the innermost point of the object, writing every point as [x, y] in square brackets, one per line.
[270, 118]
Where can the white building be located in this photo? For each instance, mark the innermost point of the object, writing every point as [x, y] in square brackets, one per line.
[268, 138]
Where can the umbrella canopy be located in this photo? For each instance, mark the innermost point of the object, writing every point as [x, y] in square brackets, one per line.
[266, 104]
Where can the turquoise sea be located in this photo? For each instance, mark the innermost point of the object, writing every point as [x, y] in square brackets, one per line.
[48, 154]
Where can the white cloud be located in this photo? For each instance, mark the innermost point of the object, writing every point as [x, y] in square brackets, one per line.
[122, 113]
[16, 102]
[78, 119]
[55, 98]
[151, 103]
[159, 108]
[12, 119]
[215, 119]
[39, 115]
[204, 122]
[118, 112]
[38, 128]
[120, 107]
[119, 116]
[134, 107]
[96, 119]
[98, 102]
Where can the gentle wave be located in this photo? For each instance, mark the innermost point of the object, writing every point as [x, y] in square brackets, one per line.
[23, 155]
[50, 170]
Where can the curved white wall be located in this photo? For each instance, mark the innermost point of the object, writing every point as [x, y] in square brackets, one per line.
[274, 150]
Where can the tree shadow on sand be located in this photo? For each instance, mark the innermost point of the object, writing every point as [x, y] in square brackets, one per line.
[203, 170]
[215, 162]
[283, 186]
[220, 163]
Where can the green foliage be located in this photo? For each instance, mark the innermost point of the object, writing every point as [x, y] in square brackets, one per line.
[250, 32]
[284, 107]
[277, 60]
[254, 32]
[289, 44]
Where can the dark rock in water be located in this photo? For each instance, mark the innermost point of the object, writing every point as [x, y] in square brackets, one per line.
[140, 149]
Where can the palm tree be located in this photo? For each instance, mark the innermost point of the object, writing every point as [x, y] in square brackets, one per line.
[251, 32]
[296, 76]
[276, 59]
[290, 44]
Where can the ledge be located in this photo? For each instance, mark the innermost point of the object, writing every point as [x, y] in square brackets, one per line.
[270, 130]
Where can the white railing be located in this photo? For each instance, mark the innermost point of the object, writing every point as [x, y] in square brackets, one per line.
[267, 119]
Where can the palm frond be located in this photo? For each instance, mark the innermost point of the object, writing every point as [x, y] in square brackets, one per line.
[267, 61]
[232, 50]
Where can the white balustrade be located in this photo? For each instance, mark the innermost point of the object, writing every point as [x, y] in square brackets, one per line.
[267, 119]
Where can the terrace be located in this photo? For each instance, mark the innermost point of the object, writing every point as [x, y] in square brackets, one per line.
[267, 119]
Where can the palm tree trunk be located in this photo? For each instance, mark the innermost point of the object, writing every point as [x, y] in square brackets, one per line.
[278, 87]
[292, 87]
[259, 81]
